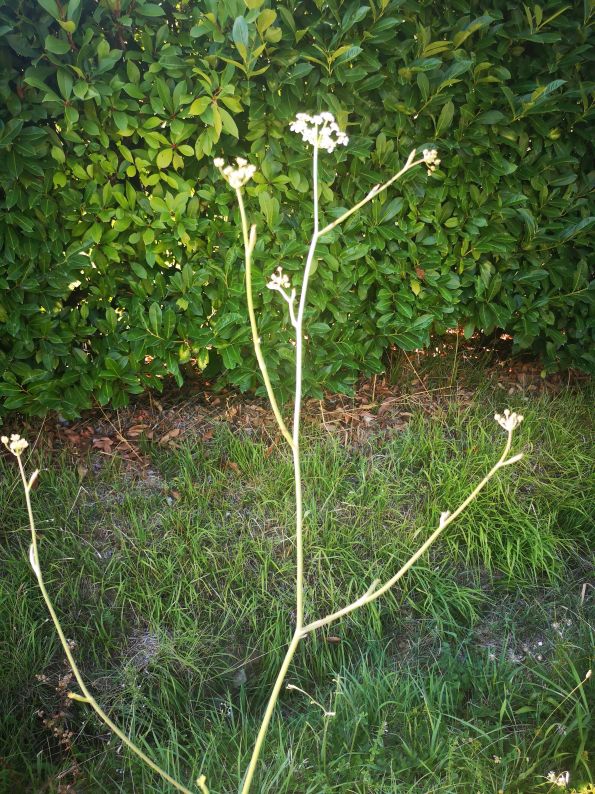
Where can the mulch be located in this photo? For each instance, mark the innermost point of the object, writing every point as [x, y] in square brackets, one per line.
[377, 406]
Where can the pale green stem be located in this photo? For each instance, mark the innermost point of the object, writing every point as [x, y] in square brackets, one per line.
[370, 595]
[411, 163]
[269, 713]
[374, 591]
[299, 356]
[88, 697]
[295, 447]
[312, 700]
[249, 242]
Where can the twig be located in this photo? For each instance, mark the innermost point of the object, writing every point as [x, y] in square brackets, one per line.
[86, 697]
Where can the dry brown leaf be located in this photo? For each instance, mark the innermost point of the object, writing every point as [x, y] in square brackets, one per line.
[386, 404]
[104, 444]
[136, 430]
[171, 434]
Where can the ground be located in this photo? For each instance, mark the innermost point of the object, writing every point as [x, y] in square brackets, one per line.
[167, 548]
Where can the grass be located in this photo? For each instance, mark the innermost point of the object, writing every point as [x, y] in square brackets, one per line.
[467, 678]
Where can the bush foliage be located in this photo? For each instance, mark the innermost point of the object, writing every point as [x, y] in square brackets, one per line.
[119, 261]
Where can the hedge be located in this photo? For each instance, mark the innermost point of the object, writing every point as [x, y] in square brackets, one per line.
[121, 259]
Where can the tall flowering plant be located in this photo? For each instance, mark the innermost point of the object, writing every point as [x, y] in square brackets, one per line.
[322, 133]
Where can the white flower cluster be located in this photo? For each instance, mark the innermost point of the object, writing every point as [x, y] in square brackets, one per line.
[509, 421]
[279, 280]
[15, 443]
[561, 780]
[431, 159]
[237, 177]
[280, 283]
[321, 130]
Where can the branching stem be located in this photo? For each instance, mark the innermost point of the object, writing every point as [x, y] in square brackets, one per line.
[376, 590]
[237, 178]
[249, 243]
[87, 696]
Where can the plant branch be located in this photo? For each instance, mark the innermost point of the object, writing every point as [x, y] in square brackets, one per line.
[374, 591]
[237, 178]
[269, 712]
[249, 243]
[87, 696]
[376, 190]
[297, 407]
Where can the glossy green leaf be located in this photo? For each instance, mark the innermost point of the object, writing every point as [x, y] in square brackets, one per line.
[51, 6]
[199, 106]
[56, 46]
[164, 158]
[445, 118]
[155, 316]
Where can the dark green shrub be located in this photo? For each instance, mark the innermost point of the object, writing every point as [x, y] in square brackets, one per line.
[120, 251]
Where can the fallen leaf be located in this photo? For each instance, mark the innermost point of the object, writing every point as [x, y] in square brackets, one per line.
[104, 444]
[386, 404]
[174, 433]
[136, 430]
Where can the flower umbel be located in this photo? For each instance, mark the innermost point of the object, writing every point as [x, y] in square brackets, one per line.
[431, 159]
[320, 130]
[279, 280]
[509, 421]
[236, 176]
[15, 444]
[280, 283]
